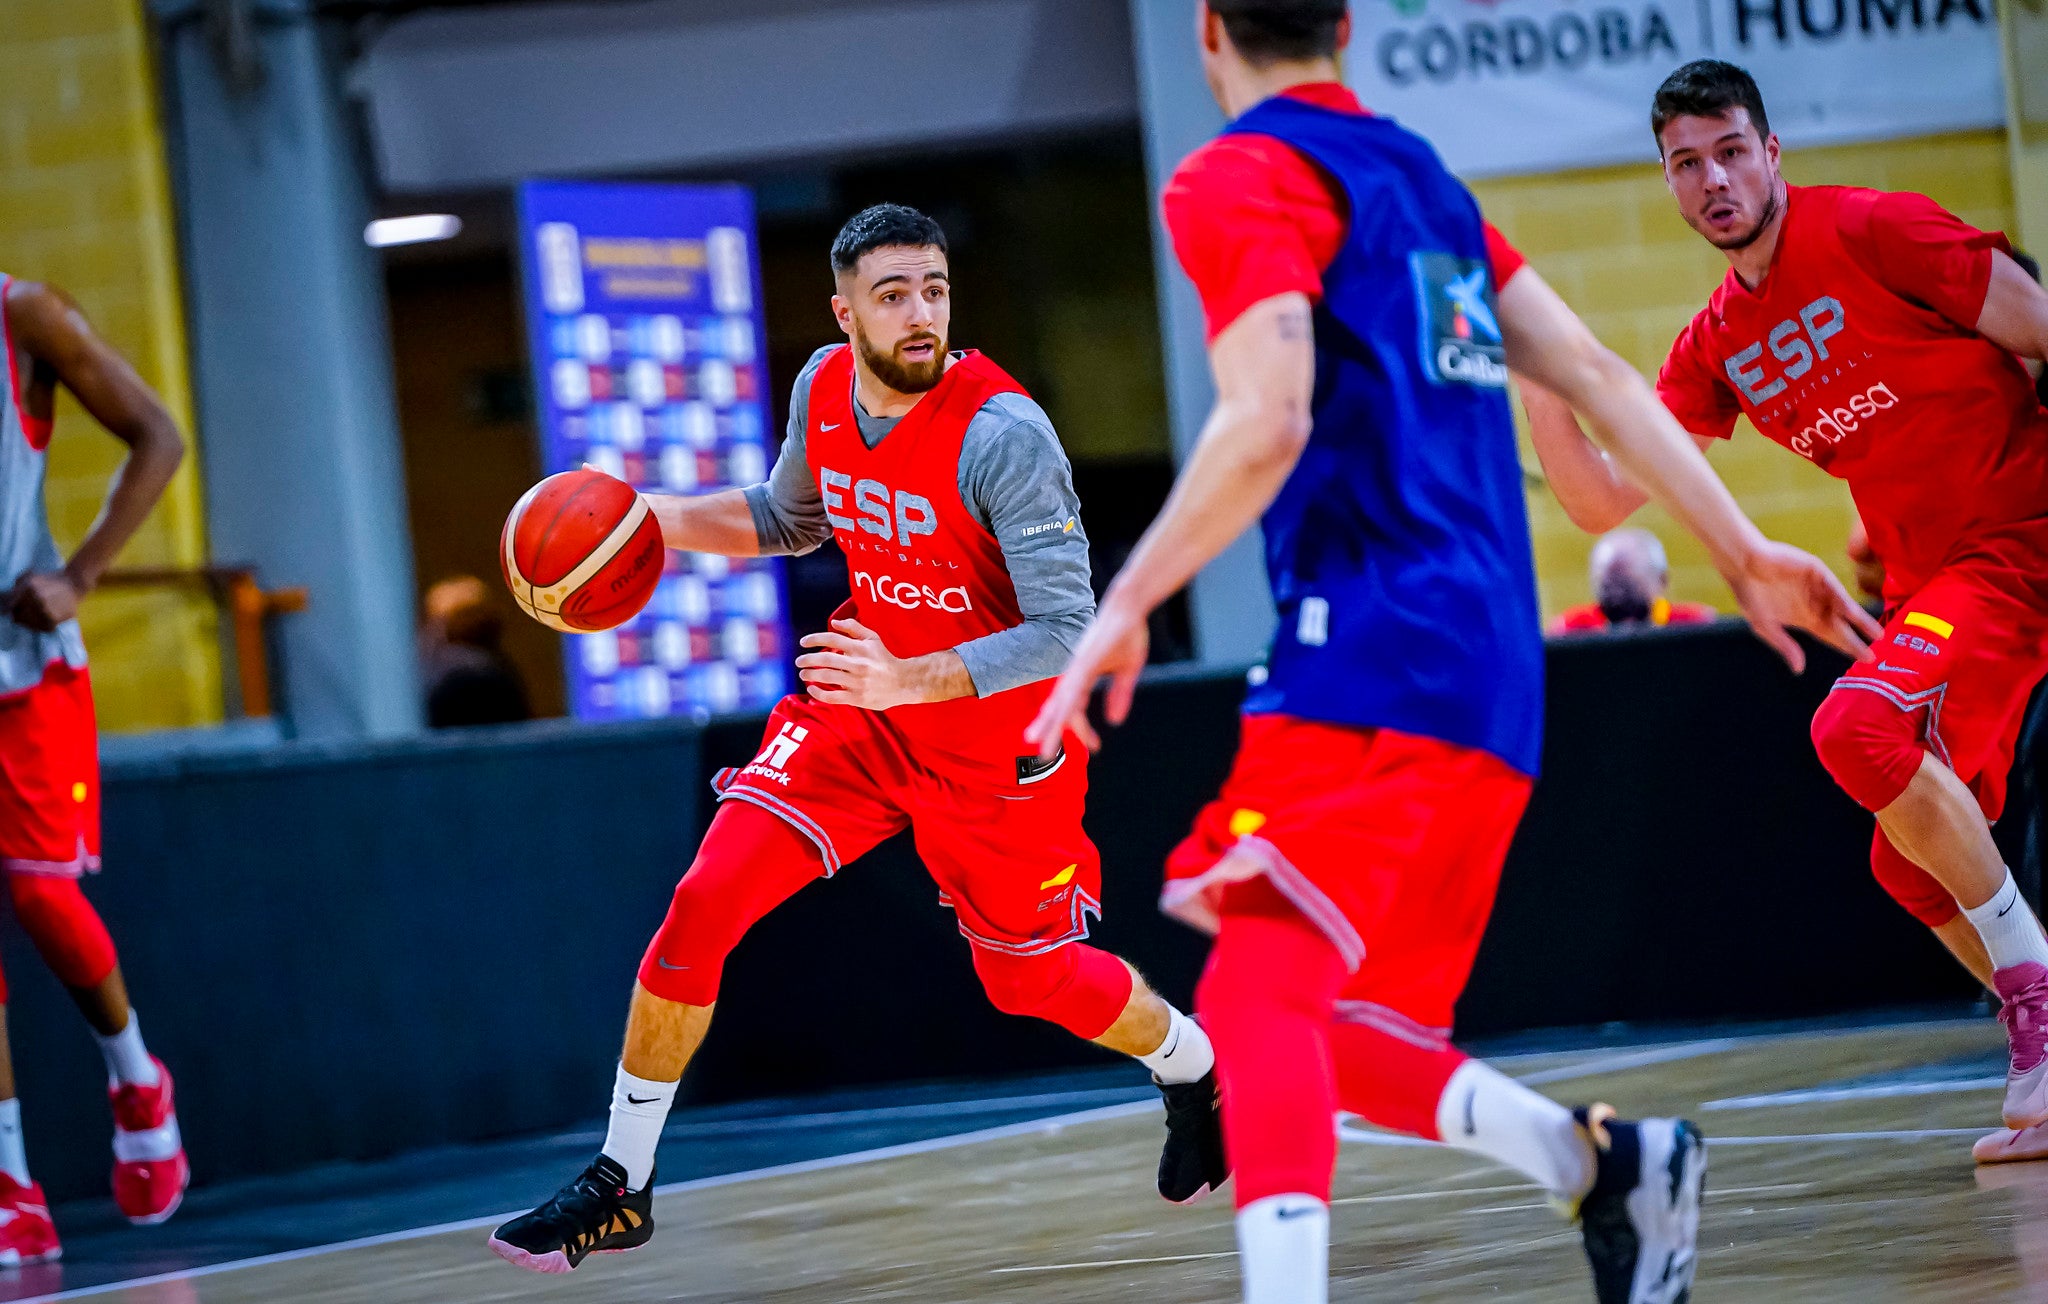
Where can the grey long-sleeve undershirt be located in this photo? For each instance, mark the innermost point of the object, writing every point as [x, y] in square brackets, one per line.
[1015, 478]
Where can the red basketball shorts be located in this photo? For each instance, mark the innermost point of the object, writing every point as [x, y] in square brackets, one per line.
[50, 777]
[1011, 860]
[1390, 844]
[1951, 678]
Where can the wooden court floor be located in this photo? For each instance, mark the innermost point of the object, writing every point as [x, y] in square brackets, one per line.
[1840, 1171]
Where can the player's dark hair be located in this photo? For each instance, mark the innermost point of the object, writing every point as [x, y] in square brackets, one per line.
[883, 226]
[1274, 31]
[1707, 88]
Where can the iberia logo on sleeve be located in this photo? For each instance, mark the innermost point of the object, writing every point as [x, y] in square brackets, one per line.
[1461, 340]
[1063, 527]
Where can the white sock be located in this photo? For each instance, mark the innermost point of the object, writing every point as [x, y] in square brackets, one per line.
[1490, 1114]
[1283, 1250]
[2011, 933]
[128, 1061]
[13, 1158]
[639, 1109]
[1185, 1055]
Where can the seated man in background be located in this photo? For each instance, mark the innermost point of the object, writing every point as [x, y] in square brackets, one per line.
[464, 674]
[1631, 586]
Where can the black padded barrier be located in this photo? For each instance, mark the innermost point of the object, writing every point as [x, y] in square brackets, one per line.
[345, 952]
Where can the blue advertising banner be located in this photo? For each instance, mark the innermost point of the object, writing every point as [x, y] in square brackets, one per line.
[644, 320]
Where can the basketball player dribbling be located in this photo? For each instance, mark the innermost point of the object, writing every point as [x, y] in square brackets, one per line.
[49, 743]
[945, 487]
[1886, 341]
[1360, 355]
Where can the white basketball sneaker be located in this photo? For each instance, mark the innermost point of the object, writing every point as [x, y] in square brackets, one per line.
[1641, 1220]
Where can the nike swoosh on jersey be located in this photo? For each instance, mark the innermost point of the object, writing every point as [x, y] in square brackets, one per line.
[831, 425]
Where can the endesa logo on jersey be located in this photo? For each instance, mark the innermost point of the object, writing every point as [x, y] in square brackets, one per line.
[1461, 342]
[1836, 424]
[910, 595]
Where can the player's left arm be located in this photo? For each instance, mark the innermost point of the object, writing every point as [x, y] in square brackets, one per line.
[1264, 364]
[2015, 313]
[1927, 254]
[48, 326]
[1015, 478]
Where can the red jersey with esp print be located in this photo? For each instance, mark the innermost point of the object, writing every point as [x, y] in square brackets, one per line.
[925, 574]
[1860, 353]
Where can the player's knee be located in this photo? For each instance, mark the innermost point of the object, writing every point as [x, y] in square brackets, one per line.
[1916, 890]
[704, 918]
[66, 930]
[1024, 984]
[686, 959]
[1870, 747]
[1081, 989]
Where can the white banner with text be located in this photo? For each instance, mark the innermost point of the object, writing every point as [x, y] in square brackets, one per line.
[1522, 86]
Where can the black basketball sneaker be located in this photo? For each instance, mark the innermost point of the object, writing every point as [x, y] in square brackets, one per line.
[1642, 1217]
[1192, 1164]
[595, 1214]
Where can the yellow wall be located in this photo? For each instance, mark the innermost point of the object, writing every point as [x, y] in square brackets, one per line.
[1612, 243]
[84, 204]
[2023, 28]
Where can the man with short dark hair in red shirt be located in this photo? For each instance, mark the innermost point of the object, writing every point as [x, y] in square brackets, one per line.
[1631, 588]
[1883, 339]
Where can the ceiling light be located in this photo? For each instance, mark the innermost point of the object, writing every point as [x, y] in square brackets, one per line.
[417, 229]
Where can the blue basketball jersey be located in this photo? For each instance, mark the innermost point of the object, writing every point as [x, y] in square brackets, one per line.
[1398, 550]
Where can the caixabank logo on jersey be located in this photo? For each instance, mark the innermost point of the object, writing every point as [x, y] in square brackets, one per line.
[1461, 343]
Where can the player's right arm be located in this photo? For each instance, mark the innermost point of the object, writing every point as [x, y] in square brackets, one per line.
[719, 522]
[1587, 484]
[54, 333]
[1776, 585]
[782, 516]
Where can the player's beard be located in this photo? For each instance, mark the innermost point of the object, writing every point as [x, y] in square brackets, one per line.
[1734, 243]
[903, 376]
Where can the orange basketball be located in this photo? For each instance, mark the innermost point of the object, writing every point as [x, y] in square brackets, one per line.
[582, 551]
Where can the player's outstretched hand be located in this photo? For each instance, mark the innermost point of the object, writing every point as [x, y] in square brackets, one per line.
[1115, 645]
[1783, 587]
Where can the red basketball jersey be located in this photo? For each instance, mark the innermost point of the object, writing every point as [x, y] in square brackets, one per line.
[925, 574]
[1936, 429]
